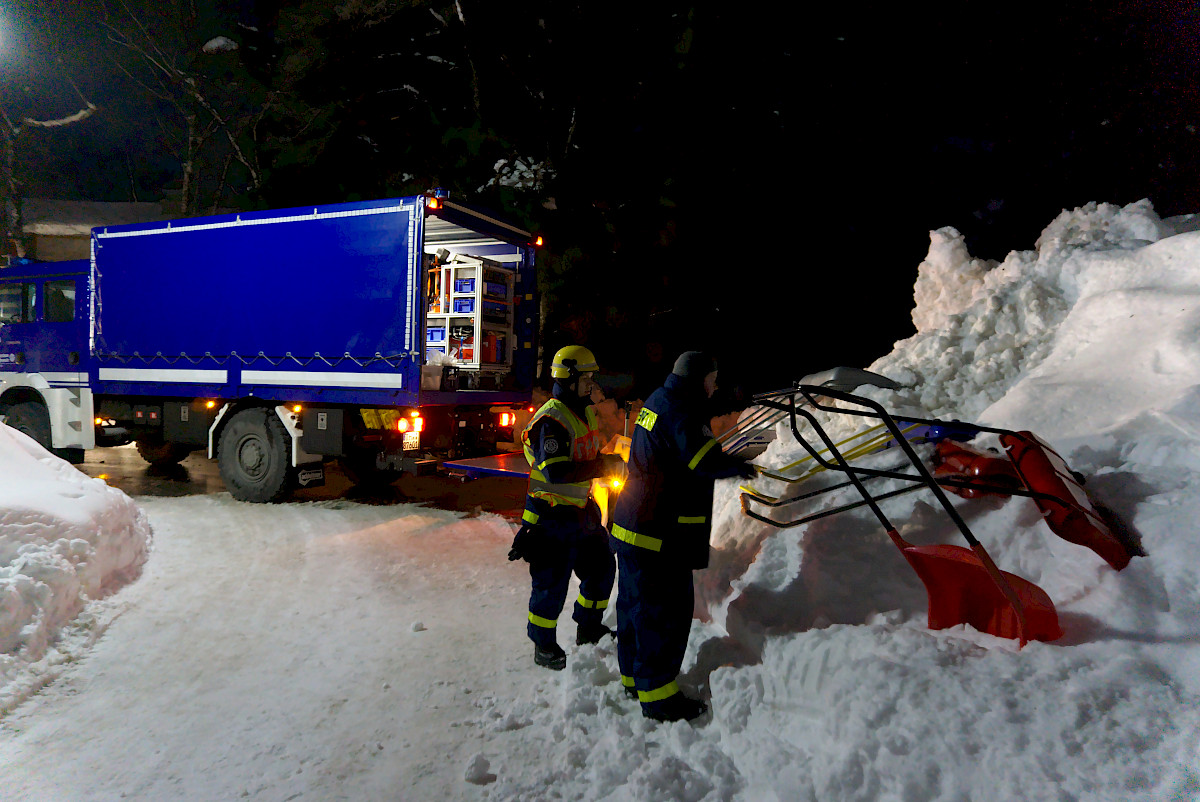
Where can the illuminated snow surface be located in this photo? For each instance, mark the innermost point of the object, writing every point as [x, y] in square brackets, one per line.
[340, 651]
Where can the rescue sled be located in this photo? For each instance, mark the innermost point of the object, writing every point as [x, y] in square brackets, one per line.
[964, 586]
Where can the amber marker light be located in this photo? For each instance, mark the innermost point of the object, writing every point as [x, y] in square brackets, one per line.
[297, 409]
[402, 425]
[615, 483]
[99, 421]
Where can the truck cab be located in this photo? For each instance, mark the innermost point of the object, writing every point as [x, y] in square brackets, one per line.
[44, 319]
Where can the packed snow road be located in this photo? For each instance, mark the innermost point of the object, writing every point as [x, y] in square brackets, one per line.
[325, 650]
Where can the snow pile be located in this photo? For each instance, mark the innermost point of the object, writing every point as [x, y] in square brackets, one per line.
[825, 682]
[65, 539]
[981, 324]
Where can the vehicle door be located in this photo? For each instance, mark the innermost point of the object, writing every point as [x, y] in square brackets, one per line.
[60, 336]
[18, 313]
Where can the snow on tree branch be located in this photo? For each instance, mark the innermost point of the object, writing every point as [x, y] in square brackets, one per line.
[78, 116]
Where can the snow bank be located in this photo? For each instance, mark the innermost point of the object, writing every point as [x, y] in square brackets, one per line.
[826, 684]
[65, 539]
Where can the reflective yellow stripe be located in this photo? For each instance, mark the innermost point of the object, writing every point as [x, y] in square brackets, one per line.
[634, 539]
[591, 605]
[627, 681]
[700, 454]
[658, 694]
[537, 620]
[574, 493]
[529, 516]
[694, 519]
[646, 419]
[554, 500]
[551, 461]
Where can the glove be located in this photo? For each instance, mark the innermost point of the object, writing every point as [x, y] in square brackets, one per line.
[525, 544]
[613, 464]
[747, 471]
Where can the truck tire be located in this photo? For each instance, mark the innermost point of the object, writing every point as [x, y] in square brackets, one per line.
[31, 418]
[253, 457]
[157, 451]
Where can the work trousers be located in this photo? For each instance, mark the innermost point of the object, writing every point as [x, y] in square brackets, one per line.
[574, 541]
[654, 618]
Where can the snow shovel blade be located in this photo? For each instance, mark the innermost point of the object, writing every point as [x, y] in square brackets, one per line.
[961, 591]
[1065, 505]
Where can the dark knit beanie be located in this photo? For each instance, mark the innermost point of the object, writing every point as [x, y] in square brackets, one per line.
[694, 365]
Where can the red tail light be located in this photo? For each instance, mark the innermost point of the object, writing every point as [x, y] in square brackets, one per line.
[506, 419]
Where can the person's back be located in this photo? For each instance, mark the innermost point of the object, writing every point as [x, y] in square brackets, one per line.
[660, 532]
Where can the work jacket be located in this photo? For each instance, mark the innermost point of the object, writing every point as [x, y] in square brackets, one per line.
[562, 448]
[665, 506]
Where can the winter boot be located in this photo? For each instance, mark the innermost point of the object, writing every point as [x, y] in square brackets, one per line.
[631, 692]
[676, 707]
[591, 633]
[552, 657]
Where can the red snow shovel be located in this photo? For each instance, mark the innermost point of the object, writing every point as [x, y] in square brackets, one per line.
[964, 585]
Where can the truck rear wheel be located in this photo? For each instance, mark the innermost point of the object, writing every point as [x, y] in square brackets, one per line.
[253, 456]
[157, 451]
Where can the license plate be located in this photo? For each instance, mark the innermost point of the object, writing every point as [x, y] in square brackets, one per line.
[412, 441]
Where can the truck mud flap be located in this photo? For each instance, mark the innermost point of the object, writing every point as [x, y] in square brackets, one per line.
[310, 476]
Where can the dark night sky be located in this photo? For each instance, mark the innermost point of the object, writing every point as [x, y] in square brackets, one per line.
[806, 153]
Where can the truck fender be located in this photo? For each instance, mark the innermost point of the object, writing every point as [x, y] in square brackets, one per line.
[71, 409]
[289, 419]
[291, 422]
[214, 431]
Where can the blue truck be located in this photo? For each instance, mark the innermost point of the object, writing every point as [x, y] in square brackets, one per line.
[387, 335]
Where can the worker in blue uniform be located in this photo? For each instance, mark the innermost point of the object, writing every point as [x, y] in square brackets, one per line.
[660, 531]
[562, 528]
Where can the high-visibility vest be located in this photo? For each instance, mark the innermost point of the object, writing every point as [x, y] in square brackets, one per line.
[585, 446]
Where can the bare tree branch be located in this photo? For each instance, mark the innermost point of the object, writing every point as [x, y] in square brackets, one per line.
[78, 116]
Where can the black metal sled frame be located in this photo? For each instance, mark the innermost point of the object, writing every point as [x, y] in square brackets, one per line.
[926, 480]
